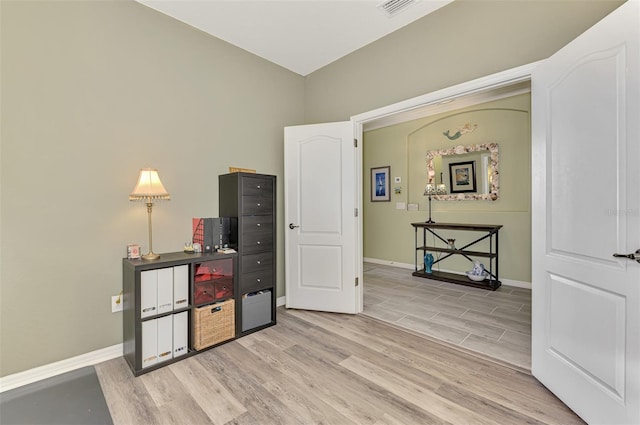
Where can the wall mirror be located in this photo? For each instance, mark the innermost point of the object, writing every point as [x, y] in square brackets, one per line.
[468, 172]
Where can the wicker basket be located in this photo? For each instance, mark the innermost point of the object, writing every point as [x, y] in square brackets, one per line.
[213, 324]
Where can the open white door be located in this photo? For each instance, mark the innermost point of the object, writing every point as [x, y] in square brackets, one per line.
[320, 222]
[585, 208]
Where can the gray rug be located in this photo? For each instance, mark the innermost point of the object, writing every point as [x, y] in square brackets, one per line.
[73, 398]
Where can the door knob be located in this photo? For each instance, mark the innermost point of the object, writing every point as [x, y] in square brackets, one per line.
[632, 256]
[292, 226]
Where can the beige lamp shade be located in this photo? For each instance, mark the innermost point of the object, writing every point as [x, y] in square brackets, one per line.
[149, 187]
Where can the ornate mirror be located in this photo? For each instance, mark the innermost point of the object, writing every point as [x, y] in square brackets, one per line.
[468, 172]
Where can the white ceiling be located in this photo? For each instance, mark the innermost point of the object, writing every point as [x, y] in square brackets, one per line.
[300, 35]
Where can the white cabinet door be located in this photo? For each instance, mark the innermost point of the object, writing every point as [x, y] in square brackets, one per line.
[148, 293]
[320, 222]
[165, 290]
[180, 333]
[180, 286]
[585, 208]
[149, 343]
[165, 338]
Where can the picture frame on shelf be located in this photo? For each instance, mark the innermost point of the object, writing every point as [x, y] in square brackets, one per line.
[462, 177]
[380, 185]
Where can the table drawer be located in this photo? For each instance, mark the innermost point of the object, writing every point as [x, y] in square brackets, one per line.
[252, 205]
[212, 290]
[257, 223]
[257, 242]
[251, 282]
[254, 262]
[257, 186]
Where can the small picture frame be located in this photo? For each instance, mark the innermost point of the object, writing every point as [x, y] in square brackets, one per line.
[462, 177]
[380, 185]
[133, 251]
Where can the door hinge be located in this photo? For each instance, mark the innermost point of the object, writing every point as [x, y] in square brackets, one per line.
[355, 212]
[357, 281]
[355, 143]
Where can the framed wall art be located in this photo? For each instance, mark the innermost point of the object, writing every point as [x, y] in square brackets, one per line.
[380, 184]
[462, 177]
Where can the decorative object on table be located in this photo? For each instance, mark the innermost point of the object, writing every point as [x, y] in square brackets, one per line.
[430, 190]
[462, 177]
[188, 247]
[197, 248]
[133, 251]
[451, 243]
[380, 184]
[149, 189]
[477, 273]
[467, 128]
[212, 232]
[241, 170]
[428, 262]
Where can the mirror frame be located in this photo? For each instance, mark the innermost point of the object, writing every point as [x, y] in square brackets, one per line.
[459, 150]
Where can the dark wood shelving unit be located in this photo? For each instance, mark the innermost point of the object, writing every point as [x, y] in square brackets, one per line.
[134, 319]
[490, 231]
[250, 200]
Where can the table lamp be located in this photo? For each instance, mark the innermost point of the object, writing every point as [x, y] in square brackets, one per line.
[148, 189]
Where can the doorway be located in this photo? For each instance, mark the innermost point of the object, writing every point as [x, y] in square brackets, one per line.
[495, 324]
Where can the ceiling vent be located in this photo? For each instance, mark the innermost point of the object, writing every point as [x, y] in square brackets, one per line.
[393, 7]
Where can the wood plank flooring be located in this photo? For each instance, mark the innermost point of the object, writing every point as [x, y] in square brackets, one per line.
[324, 368]
[493, 323]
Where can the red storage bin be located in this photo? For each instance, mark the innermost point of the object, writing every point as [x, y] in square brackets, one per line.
[224, 288]
[213, 281]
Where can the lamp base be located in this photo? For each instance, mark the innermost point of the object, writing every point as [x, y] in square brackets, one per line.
[150, 256]
[428, 221]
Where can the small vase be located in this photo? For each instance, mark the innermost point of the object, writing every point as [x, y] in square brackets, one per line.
[428, 262]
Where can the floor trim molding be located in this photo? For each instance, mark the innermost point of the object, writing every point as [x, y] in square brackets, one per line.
[39, 373]
[505, 282]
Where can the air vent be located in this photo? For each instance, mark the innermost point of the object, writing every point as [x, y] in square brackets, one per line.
[393, 7]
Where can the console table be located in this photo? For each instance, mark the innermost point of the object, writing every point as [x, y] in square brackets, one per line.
[489, 231]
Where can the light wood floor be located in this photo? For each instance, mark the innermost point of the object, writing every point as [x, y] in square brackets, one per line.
[494, 323]
[323, 368]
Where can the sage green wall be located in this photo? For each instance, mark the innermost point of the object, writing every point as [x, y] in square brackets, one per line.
[91, 92]
[388, 234]
[461, 41]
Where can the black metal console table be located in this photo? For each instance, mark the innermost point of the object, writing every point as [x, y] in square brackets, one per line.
[491, 231]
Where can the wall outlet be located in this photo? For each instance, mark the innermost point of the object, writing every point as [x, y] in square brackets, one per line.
[116, 303]
[400, 205]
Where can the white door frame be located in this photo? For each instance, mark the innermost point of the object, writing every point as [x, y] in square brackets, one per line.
[493, 81]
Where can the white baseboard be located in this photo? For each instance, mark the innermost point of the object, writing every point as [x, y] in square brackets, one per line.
[67, 365]
[39, 373]
[505, 282]
[389, 263]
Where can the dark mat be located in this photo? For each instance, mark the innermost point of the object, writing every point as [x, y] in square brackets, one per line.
[73, 398]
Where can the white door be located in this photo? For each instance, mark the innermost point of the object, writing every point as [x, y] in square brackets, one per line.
[320, 223]
[585, 208]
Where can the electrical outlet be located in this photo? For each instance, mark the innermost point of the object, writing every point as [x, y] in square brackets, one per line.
[116, 303]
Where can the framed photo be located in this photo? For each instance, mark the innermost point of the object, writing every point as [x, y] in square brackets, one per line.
[380, 184]
[462, 176]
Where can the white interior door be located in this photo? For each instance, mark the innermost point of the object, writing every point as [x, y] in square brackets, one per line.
[586, 162]
[320, 221]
